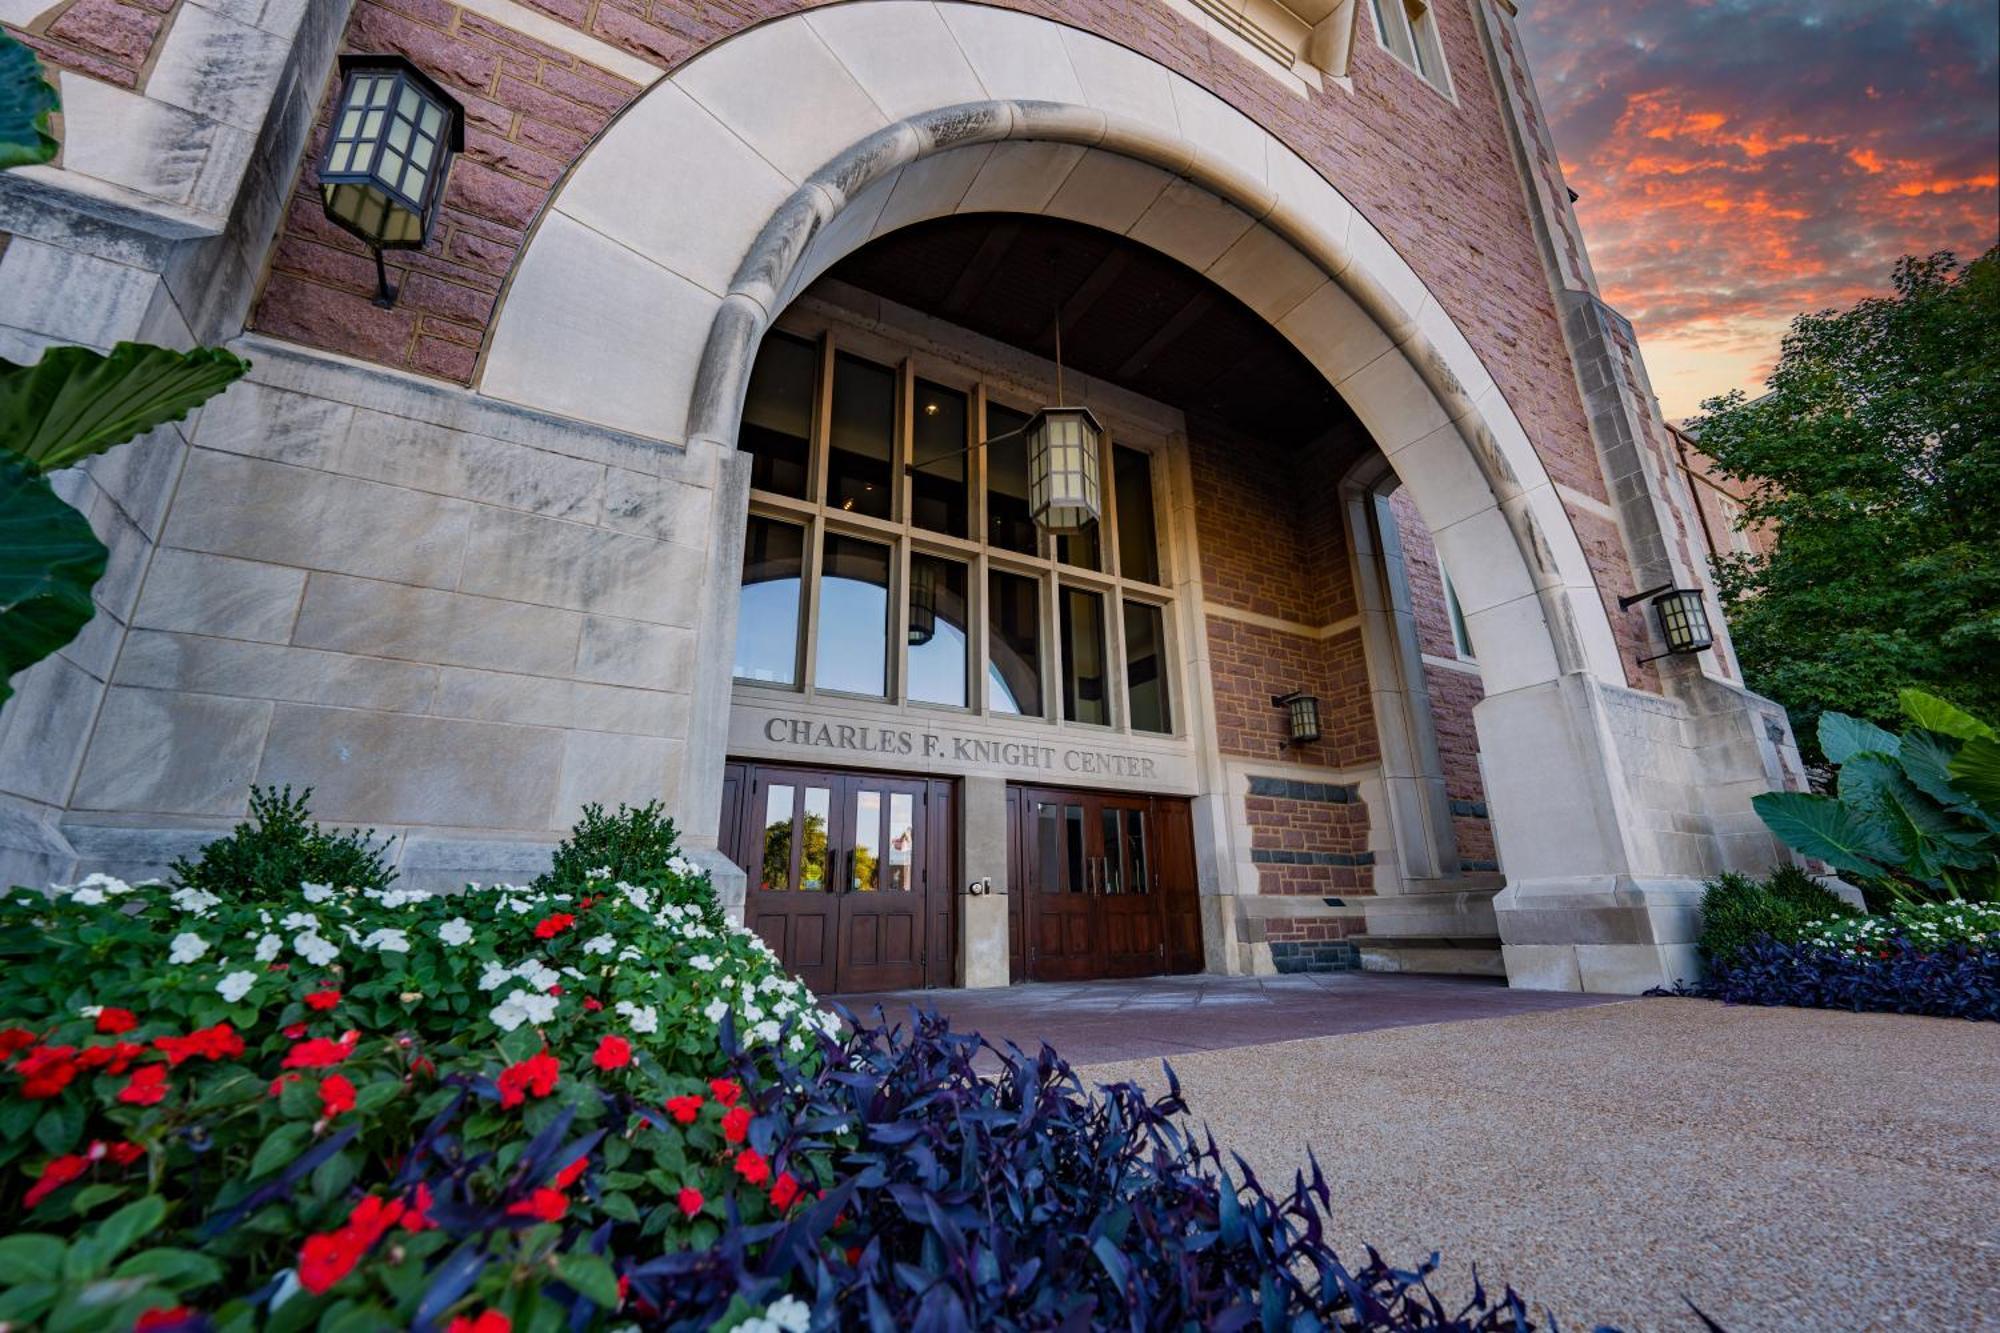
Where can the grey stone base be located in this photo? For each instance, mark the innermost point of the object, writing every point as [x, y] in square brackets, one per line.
[1610, 934]
[1290, 956]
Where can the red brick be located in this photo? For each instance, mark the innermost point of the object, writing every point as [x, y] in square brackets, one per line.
[446, 360]
[436, 52]
[484, 191]
[338, 321]
[121, 32]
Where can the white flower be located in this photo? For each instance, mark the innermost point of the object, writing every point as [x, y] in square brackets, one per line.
[88, 897]
[538, 974]
[388, 941]
[680, 865]
[602, 944]
[196, 901]
[186, 947]
[702, 962]
[455, 932]
[644, 1020]
[638, 897]
[300, 921]
[521, 1007]
[109, 884]
[268, 947]
[766, 1031]
[790, 1314]
[771, 981]
[91, 1010]
[316, 893]
[716, 1009]
[602, 872]
[315, 949]
[235, 986]
[495, 976]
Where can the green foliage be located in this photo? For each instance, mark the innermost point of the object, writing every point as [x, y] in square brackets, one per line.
[1912, 816]
[49, 562]
[634, 846]
[75, 402]
[26, 101]
[1875, 454]
[1925, 925]
[1736, 910]
[281, 847]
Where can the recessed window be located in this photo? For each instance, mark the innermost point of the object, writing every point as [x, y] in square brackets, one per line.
[1408, 29]
[863, 437]
[938, 463]
[1146, 668]
[777, 414]
[1014, 631]
[1010, 524]
[853, 617]
[1085, 697]
[767, 609]
[939, 646]
[1138, 538]
[1461, 641]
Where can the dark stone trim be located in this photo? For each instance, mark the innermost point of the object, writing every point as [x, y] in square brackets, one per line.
[1470, 809]
[1278, 856]
[1290, 956]
[1324, 793]
[1477, 865]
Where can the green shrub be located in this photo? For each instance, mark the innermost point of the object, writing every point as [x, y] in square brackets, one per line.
[634, 846]
[1737, 909]
[280, 849]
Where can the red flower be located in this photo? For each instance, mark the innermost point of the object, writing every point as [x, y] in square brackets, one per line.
[417, 1216]
[686, 1108]
[320, 1053]
[15, 1039]
[544, 1205]
[293, 1031]
[46, 1070]
[537, 1074]
[750, 1165]
[161, 1317]
[111, 1022]
[123, 1153]
[323, 999]
[325, 1259]
[336, 1095]
[147, 1087]
[726, 1090]
[278, 1083]
[219, 1042]
[112, 1057]
[568, 1175]
[735, 1124]
[59, 1172]
[784, 1190]
[489, 1321]
[551, 926]
[591, 1004]
[690, 1200]
[612, 1053]
[554, 990]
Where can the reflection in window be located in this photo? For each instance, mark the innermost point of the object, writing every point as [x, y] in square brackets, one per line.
[1085, 698]
[853, 617]
[902, 842]
[862, 436]
[938, 646]
[1014, 669]
[776, 875]
[767, 610]
[1138, 541]
[864, 863]
[1010, 524]
[1135, 852]
[1048, 847]
[1080, 549]
[1079, 878]
[1113, 880]
[938, 461]
[1146, 668]
[777, 414]
[812, 840]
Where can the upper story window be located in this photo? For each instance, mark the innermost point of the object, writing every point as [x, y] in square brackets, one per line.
[888, 558]
[1408, 29]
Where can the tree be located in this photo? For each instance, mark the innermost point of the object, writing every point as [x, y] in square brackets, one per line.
[1875, 454]
[69, 405]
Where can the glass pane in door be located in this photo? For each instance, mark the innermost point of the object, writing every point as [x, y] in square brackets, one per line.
[1113, 878]
[1138, 880]
[812, 839]
[1048, 847]
[776, 875]
[1079, 880]
[902, 842]
[866, 858]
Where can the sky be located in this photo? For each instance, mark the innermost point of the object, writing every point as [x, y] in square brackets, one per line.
[1739, 162]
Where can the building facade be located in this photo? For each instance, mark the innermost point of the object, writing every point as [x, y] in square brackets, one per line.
[687, 465]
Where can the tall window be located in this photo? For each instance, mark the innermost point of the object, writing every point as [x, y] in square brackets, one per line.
[889, 557]
[1409, 30]
[1461, 639]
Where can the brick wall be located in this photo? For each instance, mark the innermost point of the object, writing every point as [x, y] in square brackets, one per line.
[1314, 944]
[110, 40]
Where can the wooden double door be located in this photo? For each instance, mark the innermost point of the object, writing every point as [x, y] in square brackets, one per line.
[1102, 885]
[850, 873]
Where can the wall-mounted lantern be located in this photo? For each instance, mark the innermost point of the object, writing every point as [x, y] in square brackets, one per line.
[1302, 715]
[1683, 619]
[394, 135]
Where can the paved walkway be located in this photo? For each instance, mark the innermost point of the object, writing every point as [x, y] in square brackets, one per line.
[1095, 1021]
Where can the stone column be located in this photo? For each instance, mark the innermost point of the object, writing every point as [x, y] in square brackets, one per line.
[982, 916]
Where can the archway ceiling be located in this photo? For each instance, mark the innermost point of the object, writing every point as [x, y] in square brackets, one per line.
[1131, 316]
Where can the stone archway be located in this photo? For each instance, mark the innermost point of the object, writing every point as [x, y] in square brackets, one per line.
[642, 297]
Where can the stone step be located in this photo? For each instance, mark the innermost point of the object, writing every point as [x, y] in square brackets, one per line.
[1454, 955]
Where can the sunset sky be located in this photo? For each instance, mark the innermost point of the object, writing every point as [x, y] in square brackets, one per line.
[1740, 161]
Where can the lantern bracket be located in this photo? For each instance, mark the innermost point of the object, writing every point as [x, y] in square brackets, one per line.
[1627, 603]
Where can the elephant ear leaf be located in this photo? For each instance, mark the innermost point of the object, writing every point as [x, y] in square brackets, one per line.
[1926, 760]
[75, 402]
[1829, 831]
[1841, 737]
[1975, 770]
[49, 561]
[26, 99]
[1934, 714]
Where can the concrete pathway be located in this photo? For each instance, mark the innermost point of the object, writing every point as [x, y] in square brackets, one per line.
[1095, 1021]
[1785, 1168]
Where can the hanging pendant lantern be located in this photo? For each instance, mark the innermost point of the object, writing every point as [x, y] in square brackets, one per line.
[923, 601]
[1063, 447]
[394, 135]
